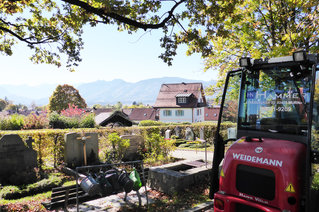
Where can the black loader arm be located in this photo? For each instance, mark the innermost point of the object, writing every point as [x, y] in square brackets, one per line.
[219, 149]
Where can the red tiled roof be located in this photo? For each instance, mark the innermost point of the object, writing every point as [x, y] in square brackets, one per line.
[127, 111]
[211, 113]
[168, 92]
[140, 114]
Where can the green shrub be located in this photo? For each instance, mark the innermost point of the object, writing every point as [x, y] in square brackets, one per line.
[114, 148]
[56, 121]
[15, 122]
[184, 145]
[179, 142]
[71, 122]
[198, 145]
[4, 123]
[315, 181]
[157, 148]
[6, 191]
[150, 123]
[88, 121]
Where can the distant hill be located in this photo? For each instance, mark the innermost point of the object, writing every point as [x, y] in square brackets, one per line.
[98, 92]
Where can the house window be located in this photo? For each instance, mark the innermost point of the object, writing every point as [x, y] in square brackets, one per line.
[179, 113]
[167, 112]
[181, 100]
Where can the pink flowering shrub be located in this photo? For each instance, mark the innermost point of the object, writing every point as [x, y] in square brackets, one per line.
[72, 117]
[72, 111]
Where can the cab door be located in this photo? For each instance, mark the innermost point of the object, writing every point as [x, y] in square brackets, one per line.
[314, 179]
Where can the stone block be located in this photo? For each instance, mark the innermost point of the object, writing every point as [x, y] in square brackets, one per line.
[135, 142]
[189, 134]
[74, 149]
[16, 155]
[176, 177]
[168, 134]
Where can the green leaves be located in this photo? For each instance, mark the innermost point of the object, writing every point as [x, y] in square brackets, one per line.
[221, 31]
[53, 28]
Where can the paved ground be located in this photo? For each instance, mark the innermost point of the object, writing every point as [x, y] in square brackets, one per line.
[193, 155]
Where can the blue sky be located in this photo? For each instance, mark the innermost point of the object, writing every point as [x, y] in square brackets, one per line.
[107, 55]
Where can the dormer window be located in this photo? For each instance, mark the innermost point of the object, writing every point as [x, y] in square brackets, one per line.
[181, 100]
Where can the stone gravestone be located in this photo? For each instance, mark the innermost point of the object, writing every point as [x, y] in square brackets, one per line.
[16, 156]
[177, 132]
[202, 133]
[74, 149]
[189, 134]
[168, 134]
[232, 133]
[131, 153]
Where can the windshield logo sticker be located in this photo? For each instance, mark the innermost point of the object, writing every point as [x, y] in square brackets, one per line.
[259, 150]
[258, 160]
[274, 97]
[251, 94]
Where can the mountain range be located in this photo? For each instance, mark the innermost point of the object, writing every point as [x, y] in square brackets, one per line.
[98, 92]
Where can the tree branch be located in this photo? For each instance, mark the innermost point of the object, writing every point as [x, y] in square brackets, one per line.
[266, 23]
[101, 12]
[27, 40]
[272, 26]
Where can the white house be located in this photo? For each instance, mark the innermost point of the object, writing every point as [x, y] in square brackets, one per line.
[182, 102]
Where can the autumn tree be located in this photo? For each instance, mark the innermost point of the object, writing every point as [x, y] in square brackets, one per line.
[63, 96]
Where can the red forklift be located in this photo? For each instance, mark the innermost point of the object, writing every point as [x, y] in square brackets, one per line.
[268, 167]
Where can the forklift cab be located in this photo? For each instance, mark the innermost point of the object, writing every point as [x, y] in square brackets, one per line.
[269, 167]
[273, 100]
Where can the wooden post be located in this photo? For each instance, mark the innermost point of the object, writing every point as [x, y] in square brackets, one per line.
[83, 138]
[84, 153]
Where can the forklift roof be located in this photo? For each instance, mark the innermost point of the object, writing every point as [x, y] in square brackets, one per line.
[309, 58]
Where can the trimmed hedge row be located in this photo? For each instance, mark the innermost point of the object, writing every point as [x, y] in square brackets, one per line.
[50, 143]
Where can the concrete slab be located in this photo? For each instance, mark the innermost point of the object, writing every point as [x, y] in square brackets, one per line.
[111, 203]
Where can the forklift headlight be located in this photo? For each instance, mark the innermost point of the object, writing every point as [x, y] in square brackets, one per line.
[299, 56]
[244, 62]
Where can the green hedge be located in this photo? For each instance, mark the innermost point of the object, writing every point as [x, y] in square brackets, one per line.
[50, 143]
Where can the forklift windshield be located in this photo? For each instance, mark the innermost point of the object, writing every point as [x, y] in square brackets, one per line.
[270, 100]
